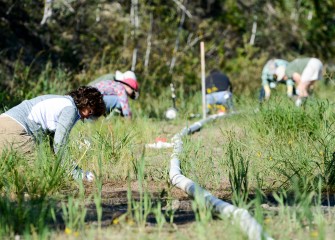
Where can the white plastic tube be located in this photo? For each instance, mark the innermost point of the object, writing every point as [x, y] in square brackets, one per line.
[240, 216]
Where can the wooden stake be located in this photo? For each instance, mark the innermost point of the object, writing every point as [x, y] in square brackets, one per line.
[203, 87]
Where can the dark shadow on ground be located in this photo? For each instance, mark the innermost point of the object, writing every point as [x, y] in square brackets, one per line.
[327, 200]
[115, 206]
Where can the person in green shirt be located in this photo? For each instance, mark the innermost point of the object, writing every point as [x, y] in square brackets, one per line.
[304, 72]
[269, 78]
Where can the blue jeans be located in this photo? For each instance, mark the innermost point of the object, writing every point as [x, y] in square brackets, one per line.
[224, 98]
[111, 102]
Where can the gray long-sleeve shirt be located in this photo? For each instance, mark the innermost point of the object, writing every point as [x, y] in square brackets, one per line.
[47, 114]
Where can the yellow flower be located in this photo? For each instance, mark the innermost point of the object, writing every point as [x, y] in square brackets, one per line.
[321, 153]
[259, 154]
[314, 234]
[270, 158]
[68, 231]
[290, 142]
[116, 221]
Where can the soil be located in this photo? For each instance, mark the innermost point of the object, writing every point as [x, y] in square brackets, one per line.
[115, 202]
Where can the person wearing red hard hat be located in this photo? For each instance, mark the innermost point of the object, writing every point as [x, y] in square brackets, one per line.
[116, 88]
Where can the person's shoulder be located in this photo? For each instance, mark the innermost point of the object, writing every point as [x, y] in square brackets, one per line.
[109, 76]
[280, 62]
[270, 62]
[100, 82]
[53, 103]
[60, 101]
[301, 59]
[56, 97]
[119, 86]
[45, 97]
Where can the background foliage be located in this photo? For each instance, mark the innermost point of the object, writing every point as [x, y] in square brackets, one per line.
[282, 153]
[100, 36]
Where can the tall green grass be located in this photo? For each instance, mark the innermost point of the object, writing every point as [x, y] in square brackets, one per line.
[238, 169]
[28, 188]
[280, 156]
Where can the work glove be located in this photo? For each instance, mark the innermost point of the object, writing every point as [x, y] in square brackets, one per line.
[77, 173]
[88, 176]
[298, 102]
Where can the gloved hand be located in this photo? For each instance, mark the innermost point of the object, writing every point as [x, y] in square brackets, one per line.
[78, 173]
[298, 102]
[88, 176]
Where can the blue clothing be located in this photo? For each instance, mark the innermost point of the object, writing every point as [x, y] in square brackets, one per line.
[224, 98]
[111, 101]
[114, 94]
[270, 69]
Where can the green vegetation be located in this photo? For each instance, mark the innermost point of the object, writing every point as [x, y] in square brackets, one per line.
[284, 175]
[73, 48]
[275, 160]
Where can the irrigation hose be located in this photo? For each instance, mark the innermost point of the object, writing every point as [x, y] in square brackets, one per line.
[247, 223]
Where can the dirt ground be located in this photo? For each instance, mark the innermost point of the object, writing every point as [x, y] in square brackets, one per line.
[114, 202]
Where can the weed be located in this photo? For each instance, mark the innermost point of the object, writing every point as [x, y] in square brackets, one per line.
[238, 167]
[74, 213]
[143, 207]
[159, 216]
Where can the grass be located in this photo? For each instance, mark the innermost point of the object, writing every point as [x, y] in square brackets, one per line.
[276, 160]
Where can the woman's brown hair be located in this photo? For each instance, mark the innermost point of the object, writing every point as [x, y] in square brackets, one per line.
[86, 96]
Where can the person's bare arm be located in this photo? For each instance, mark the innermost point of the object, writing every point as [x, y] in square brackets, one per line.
[296, 77]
